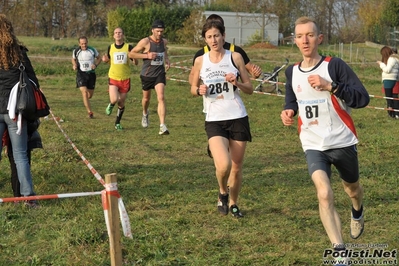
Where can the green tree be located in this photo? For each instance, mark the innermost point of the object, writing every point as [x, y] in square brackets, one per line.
[370, 12]
[136, 22]
[390, 14]
[191, 31]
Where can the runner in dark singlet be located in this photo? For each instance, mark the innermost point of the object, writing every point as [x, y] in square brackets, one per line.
[153, 51]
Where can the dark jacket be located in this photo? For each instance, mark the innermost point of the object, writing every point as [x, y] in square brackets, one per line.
[8, 78]
[34, 138]
[35, 141]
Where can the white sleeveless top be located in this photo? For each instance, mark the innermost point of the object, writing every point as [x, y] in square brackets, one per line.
[324, 120]
[222, 100]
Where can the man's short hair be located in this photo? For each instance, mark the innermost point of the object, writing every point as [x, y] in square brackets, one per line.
[304, 20]
[158, 24]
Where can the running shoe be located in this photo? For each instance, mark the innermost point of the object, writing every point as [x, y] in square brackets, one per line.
[357, 226]
[31, 204]
[163, 130]
[223, 204]
[109, 108]
[342, 261]
[91, 115]
[235, 211]
[118, 127]
[144, 120]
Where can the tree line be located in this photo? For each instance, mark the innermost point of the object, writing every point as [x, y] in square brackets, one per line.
[339, 20]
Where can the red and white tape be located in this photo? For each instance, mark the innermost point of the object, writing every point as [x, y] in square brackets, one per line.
[112, 189]
[51, 196]
[122, 210]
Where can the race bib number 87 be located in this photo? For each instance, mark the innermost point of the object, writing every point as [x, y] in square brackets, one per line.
[314, 111]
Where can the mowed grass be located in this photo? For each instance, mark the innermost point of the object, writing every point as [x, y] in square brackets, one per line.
[168, 183]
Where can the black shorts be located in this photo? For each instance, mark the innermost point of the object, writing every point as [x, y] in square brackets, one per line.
[148, 83]
[236, 129]
[86, 79]
[344, 159]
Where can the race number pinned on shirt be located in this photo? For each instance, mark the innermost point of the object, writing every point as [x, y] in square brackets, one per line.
[120, 58]
[158, 61]
[313, 112]
[220, 89]
[85, 65]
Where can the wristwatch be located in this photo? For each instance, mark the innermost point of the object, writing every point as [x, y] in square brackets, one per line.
[334, 86]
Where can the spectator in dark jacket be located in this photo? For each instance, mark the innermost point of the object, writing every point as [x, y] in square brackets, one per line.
[12, 54]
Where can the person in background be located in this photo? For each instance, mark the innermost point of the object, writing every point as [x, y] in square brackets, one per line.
[153, 50]
[389, 65]
[223, 75]
[395, 90]
[12, 54]
[280, 39]
[85, 60]
[321, 90]
[119, 75]
[253, 69]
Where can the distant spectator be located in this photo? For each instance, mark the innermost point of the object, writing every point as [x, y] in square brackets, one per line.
[280, 38]
[395, 90]
[389, 65]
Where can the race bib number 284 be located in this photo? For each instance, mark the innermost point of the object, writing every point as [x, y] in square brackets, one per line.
[221, 90]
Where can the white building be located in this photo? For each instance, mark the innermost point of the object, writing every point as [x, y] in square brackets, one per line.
[240, 27]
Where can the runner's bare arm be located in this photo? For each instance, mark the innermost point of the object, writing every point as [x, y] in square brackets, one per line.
[167, 62]
[140, 51]
[196, 89]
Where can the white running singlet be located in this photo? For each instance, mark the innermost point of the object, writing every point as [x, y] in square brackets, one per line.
[222, 100]
[324, 120]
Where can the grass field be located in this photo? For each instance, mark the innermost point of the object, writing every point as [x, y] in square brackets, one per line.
[168, 183]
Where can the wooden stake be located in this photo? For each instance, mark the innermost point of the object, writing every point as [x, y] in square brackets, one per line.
[113, 218]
